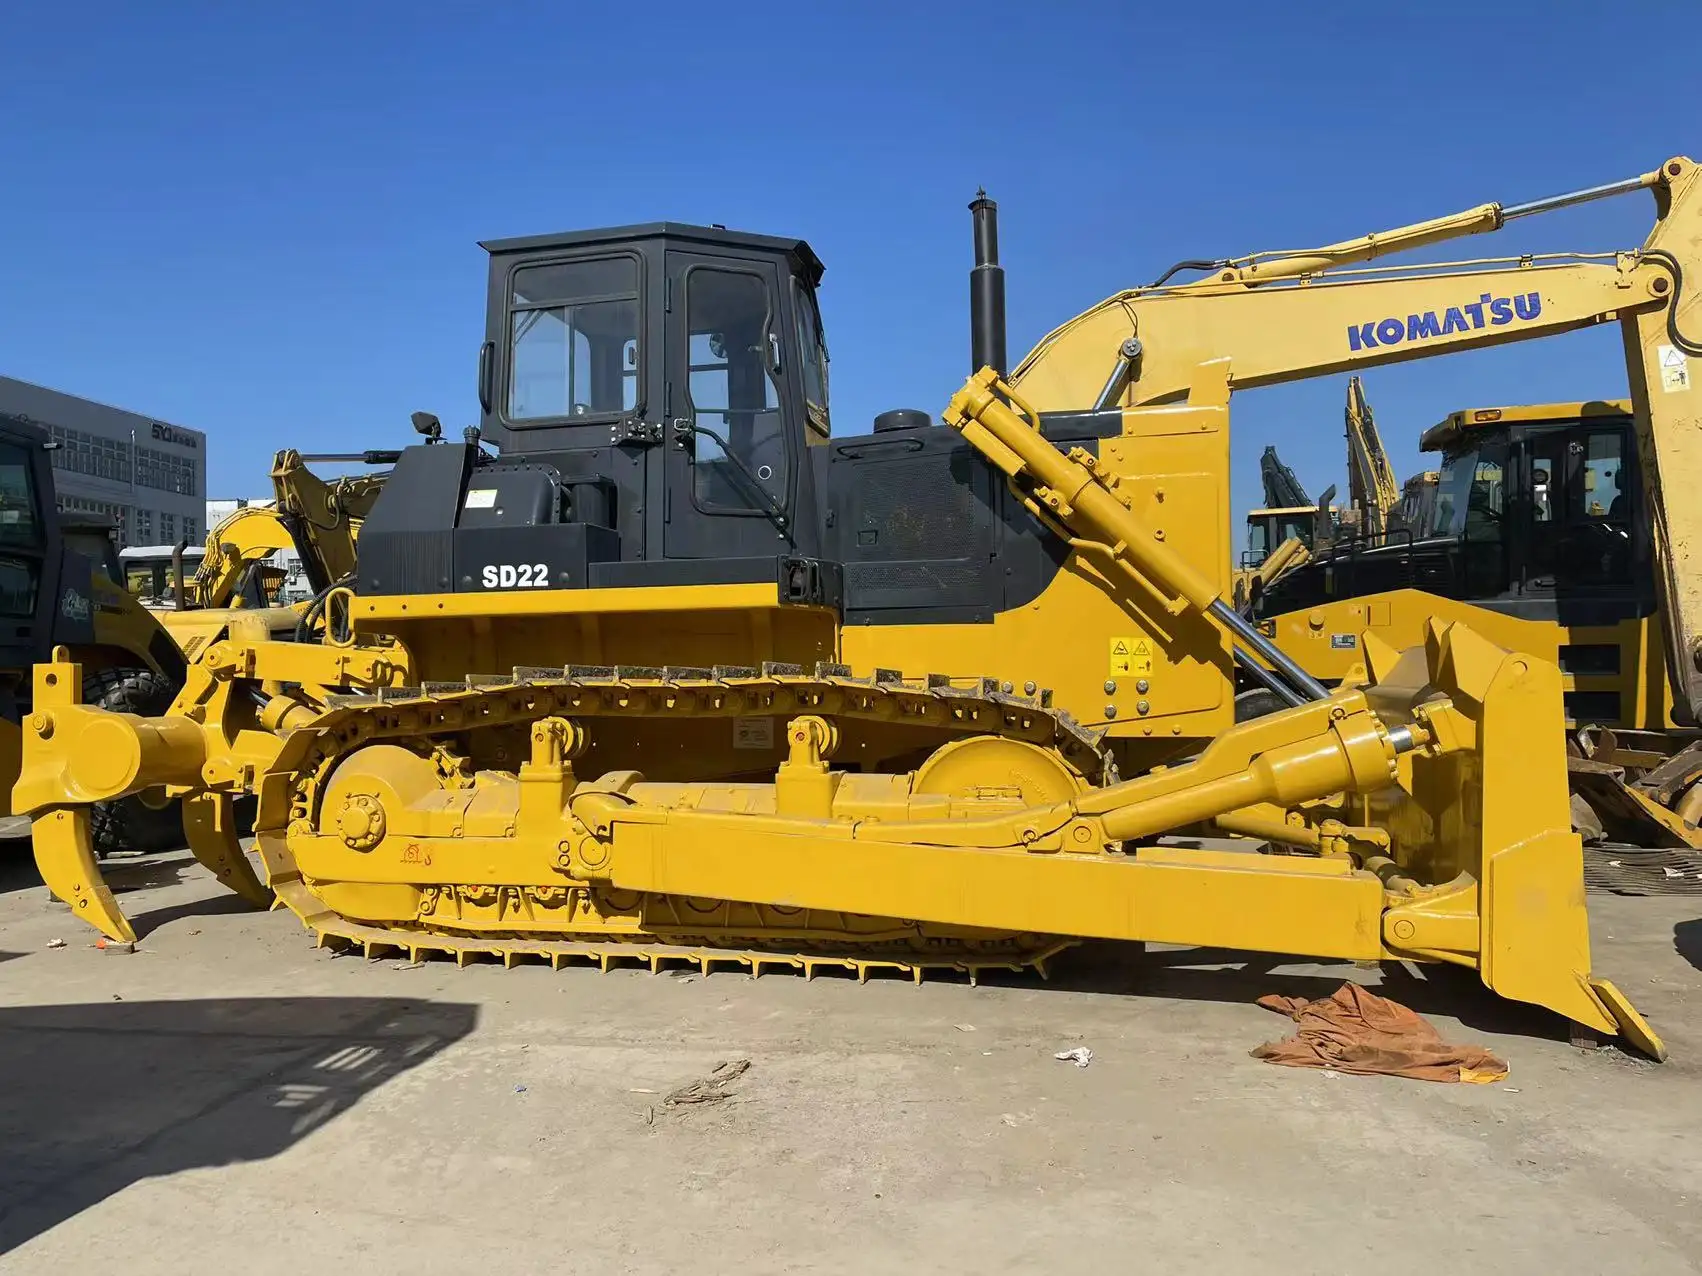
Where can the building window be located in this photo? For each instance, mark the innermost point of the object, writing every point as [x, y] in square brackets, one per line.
[165, 472]
[144, 526]
[189, 532]
[168, 529]
[83, 453]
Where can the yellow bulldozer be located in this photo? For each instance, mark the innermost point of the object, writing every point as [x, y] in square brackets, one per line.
[678, 674]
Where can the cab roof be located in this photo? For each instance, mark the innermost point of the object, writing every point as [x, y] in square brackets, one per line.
[1452, 430]
[802, 256]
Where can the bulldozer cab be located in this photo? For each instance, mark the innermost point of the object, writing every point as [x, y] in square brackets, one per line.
[675, 378]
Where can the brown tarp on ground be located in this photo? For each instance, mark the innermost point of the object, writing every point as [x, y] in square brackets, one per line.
[1358, 1031]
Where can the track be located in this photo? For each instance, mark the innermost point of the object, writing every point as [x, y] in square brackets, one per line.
[574, 923]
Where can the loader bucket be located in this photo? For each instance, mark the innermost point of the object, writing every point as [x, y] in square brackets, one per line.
[1482, 840]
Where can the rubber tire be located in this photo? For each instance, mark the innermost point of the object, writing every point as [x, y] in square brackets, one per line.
[1257, 702]
[130, 824]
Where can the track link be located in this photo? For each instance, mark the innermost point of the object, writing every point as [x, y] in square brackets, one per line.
[948, 707]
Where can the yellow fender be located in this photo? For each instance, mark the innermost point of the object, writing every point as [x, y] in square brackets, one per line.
[65, 857]
[209, 822]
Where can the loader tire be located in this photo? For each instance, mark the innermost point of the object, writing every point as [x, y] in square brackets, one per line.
[1256, 703]
[130, 824]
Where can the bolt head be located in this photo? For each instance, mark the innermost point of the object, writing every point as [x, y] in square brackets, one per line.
[1028, 688]
[1141, 685]
[1142, 707]
[1110, 711]
[1110, 686]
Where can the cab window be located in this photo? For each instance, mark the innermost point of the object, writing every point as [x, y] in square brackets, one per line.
[574, 340]
[20, 520]
[739, 443]
[1472, 493]
[812, 350]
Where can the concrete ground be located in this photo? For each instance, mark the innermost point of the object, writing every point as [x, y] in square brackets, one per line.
[229, 1098]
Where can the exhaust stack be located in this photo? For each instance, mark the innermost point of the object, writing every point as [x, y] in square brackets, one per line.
[986, 290]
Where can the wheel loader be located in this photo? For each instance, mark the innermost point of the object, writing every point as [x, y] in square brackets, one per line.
[679, 674]
[61, 587]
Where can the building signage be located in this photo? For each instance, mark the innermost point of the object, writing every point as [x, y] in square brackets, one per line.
[171, 434]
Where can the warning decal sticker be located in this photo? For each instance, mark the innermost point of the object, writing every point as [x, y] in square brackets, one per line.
[1130, 658]
[1675, 369]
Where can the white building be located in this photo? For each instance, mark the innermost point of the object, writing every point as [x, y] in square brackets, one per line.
[148, 476]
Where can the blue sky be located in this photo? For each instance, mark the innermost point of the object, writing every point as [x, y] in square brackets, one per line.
[261, 220]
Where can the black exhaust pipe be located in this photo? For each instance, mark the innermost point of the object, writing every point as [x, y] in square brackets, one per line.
[986, 290]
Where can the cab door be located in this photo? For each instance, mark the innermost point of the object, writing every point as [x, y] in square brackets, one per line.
[730, 437]
[1581, 535]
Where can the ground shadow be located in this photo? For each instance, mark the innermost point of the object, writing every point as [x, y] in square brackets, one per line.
[126, 873]
[123, 873]
[96, 1097]
[1687, 939]
[17, 866]
[1230, 975]
[146, 924]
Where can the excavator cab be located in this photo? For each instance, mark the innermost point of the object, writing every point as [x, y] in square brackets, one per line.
[1269, 528]
[1538, 514]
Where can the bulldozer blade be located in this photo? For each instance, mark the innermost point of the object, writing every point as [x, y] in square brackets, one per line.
[1506, 869]
[209, 822]
[65, 857]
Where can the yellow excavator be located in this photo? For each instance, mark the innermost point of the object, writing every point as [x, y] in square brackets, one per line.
[1290, 530]
[677, 674]
[1282, 533]
[318, 520]
[1372, 496]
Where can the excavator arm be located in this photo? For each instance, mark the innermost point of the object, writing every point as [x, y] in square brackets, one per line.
[1371, 486]
[240, 542]
[1275, 318]
[319, 520]
[323, 518]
